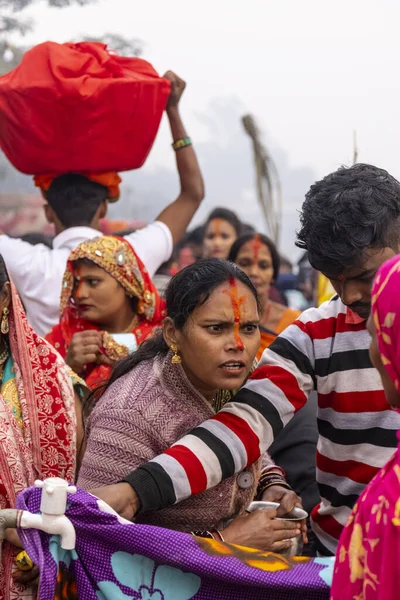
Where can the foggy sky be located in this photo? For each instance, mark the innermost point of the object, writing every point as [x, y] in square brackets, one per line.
[310, 71]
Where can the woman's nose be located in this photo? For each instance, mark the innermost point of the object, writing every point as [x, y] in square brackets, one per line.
[80, 290]
[253, 270]
[235, 341]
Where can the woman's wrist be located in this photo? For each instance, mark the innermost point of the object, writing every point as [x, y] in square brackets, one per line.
[121, 497]
[132, 498]
[212, 534]
[271, 476]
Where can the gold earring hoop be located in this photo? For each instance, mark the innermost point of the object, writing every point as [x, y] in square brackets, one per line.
[5, 328]
[176, 359]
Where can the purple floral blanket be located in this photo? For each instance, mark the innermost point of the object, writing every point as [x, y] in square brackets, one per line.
[118, 560]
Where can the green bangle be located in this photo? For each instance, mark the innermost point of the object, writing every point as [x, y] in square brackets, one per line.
[182, 143]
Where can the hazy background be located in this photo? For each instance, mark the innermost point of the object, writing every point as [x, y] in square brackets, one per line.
[310, 71]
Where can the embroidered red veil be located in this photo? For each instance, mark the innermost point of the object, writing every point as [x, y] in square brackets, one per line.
[47, 446]
[117, 257]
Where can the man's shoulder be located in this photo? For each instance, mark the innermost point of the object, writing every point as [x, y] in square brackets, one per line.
[70, 238]
[328, 310]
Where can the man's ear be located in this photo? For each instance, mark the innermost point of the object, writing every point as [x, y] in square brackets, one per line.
[103, 209]
[49, 213]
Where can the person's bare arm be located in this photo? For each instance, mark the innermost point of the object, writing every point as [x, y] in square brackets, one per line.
[178, 215]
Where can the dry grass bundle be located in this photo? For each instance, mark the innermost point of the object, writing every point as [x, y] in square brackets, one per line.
[269, 191]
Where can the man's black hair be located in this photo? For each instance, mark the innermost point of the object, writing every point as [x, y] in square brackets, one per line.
[75, 199]
[346, 213]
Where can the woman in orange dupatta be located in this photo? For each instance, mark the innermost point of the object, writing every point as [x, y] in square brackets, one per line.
[109, 305]
[38, 423]
[258, 257]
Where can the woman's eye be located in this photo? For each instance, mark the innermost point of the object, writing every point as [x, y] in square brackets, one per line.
[93, 282]
[215, 328]
[264, 266]
[249, 328]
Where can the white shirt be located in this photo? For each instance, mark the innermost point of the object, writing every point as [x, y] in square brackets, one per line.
[37, 271]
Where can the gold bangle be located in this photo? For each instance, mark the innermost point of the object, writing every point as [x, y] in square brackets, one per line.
[219, 534]
[268, 485]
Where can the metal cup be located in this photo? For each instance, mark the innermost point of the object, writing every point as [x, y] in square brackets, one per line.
[297, 514]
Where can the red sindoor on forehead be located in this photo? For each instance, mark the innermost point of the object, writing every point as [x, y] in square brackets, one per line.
[77, 276]
[217, 223]
[256, 245]
[237, 301]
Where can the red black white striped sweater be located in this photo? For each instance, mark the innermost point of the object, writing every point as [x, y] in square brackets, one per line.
[325, 349]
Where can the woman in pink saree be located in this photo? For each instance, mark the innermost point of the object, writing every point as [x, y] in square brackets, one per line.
[39, 423]
[367, 560]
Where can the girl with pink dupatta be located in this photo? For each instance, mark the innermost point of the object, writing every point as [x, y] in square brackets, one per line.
[367, 560]
[39, 416]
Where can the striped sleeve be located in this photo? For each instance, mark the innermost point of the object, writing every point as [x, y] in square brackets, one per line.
[240, 433]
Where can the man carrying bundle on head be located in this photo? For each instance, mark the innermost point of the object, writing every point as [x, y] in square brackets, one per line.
[76, 202]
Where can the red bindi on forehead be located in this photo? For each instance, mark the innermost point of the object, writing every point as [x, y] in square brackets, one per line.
[78, 279]
[237, 301]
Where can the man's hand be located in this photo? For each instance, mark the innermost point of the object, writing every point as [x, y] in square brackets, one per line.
[177, 215]
[261, 530]
[177, 89]
[29, 578]
[287, 499]
[121, 497]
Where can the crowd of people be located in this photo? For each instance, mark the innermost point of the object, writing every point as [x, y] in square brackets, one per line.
[115, 348]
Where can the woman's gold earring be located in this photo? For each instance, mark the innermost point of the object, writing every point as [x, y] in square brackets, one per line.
[4, 322]
[176, 359]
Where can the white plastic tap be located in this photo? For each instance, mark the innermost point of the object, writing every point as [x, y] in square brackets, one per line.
[53, 506]
[54, 495]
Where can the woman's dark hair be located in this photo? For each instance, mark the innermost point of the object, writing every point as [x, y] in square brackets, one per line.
[187, 290]
[244, 239]
[225, 215]
[346, 213]
[4, 277]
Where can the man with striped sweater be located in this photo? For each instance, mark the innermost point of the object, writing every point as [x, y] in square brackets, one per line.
[350, 226]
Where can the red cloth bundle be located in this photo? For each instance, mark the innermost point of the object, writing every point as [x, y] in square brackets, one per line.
[78, 108]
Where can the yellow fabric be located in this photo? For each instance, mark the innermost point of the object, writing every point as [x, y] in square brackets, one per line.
[288, 317]
[325, 290]
[9, 391]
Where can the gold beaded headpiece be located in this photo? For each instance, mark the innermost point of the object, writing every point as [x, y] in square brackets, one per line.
[116, 256]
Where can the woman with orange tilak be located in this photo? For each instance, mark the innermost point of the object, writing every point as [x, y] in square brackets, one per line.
[208, 342]
[109, 305]
[258, 257]
[221, 230]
